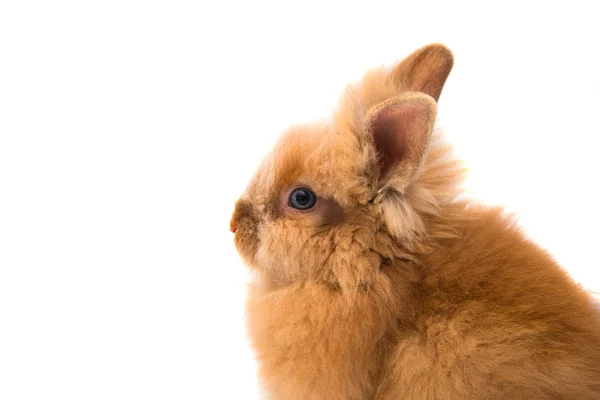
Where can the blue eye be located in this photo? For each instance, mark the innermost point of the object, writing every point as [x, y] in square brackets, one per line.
[302, 199]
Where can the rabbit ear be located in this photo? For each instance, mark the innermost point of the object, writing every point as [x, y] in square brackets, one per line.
[401, 130]
[425, 70]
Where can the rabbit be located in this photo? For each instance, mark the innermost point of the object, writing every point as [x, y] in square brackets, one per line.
[376, 278]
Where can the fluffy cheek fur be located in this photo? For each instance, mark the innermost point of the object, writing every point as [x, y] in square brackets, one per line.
[346, 256]
[286, 252]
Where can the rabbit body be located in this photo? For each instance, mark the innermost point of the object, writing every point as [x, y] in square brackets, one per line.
[389, 286]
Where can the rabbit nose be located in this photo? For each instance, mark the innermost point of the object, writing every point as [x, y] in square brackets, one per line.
[242, 213]
[233, 225]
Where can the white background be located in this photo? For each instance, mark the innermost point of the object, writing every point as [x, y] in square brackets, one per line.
[127, 130]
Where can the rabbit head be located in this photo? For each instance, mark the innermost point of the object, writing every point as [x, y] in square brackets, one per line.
[334, 202]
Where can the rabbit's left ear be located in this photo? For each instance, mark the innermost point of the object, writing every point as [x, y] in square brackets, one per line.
[425, 70]
[401, 129]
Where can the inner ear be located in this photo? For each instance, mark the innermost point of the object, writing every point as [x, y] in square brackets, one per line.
[401, 131]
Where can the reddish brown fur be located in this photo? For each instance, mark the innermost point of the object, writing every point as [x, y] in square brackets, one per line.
[393, 288]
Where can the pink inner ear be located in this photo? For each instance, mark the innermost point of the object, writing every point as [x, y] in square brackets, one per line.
[391, 129]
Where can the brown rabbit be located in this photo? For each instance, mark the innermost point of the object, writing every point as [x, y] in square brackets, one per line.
[375, 281]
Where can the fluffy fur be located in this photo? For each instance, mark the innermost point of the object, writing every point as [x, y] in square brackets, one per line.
[392, 287]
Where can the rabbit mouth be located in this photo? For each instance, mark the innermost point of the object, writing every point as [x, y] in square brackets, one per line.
[246, 242]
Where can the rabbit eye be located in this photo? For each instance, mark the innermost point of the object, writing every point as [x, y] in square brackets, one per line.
[302, 199]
